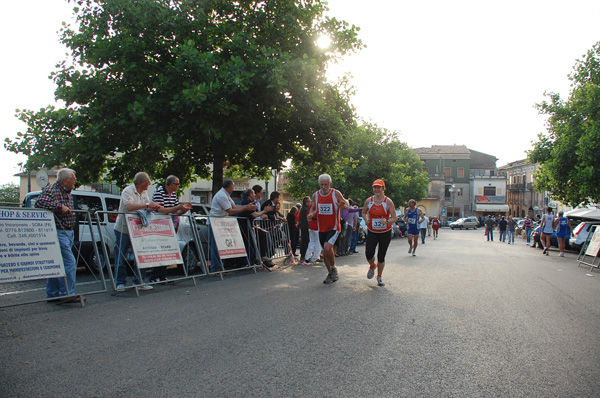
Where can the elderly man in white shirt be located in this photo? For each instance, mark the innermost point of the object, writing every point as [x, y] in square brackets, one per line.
[223, 206]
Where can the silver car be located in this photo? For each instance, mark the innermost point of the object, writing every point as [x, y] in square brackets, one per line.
[465, 223]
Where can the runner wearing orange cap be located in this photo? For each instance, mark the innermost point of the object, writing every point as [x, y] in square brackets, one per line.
[379, 214]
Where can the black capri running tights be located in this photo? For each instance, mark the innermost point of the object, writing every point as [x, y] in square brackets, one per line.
[375, 238]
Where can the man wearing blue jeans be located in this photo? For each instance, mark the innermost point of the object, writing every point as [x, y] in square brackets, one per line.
[58, 198]
[134, 197]
[489, 228]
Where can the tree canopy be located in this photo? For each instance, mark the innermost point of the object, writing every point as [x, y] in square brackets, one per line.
[9, 193]
[368, 153]
[568, 153]
[175, 86]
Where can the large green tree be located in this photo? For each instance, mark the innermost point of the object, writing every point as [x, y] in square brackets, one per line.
[368, 153]
[175, 86]
[568, 152]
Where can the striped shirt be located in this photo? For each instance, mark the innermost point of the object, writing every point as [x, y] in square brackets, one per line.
[161, 197]
[53, 198]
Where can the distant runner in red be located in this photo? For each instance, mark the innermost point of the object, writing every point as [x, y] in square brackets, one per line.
[435, 225]
[327, 203]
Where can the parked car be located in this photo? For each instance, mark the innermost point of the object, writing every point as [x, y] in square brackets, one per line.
[581, 232]
[189, 245]
[465, 223]
[94, 202]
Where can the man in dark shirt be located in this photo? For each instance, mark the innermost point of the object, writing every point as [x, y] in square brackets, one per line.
[58, 199]
[246, 221]
[502, 224]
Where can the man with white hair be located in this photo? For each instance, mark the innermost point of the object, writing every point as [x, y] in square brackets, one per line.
[58, 199]
[327, 203]
[134, 197]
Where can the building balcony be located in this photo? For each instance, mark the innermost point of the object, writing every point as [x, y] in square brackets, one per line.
[520, 187]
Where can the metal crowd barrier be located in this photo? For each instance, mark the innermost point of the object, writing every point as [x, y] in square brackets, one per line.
[87, 256]
[273, 238]
[251, 256]
[189, 239]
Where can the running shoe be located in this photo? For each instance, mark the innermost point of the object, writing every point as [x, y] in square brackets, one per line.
[561, 254]
[371, 273]
[414, 254]
[380, 281]
[328, 279]
[334, 274]
[409, 250]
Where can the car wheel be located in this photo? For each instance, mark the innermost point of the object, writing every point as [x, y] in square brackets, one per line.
[94, 261]
[190, 260]
[461, 227]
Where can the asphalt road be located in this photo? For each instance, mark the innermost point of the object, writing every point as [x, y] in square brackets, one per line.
[464, 318]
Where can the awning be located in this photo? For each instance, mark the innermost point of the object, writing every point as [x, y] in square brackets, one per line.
[491, 207]
[585, 213]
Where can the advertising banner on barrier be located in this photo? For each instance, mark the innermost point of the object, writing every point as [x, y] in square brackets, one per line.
[227, 235]
[154, 245]
[29, 246]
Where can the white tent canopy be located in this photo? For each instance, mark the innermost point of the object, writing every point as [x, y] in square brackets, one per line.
[592, 214]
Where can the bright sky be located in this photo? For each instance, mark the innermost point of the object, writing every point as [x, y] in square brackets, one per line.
[462, 72]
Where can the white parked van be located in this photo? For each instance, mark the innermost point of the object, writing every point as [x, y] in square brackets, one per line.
[93, 202]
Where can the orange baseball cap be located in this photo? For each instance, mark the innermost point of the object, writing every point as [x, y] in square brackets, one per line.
[379, 183]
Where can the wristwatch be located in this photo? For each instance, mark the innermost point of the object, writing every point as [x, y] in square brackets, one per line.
[147, 204]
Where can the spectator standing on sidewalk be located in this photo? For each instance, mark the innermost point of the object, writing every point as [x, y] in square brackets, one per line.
[527, 225]
[223, 206]
[293, 229]
[502, 224]
[303, 226]
[355, 228]
[134, 197]
[58, 199]
[489, 228]
[423, 227]
[511, 230]
[166, 196]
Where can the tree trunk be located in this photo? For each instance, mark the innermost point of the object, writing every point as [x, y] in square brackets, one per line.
[217, 179]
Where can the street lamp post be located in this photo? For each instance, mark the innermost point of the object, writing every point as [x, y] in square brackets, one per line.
[451, 190]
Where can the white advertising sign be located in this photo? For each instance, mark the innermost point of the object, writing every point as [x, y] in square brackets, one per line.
[156, 244]
[594, 245]
[227, 235]
[29, 246]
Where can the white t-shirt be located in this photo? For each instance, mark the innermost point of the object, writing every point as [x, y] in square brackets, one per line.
[129, 195]
[221, 203]
[424, 223]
